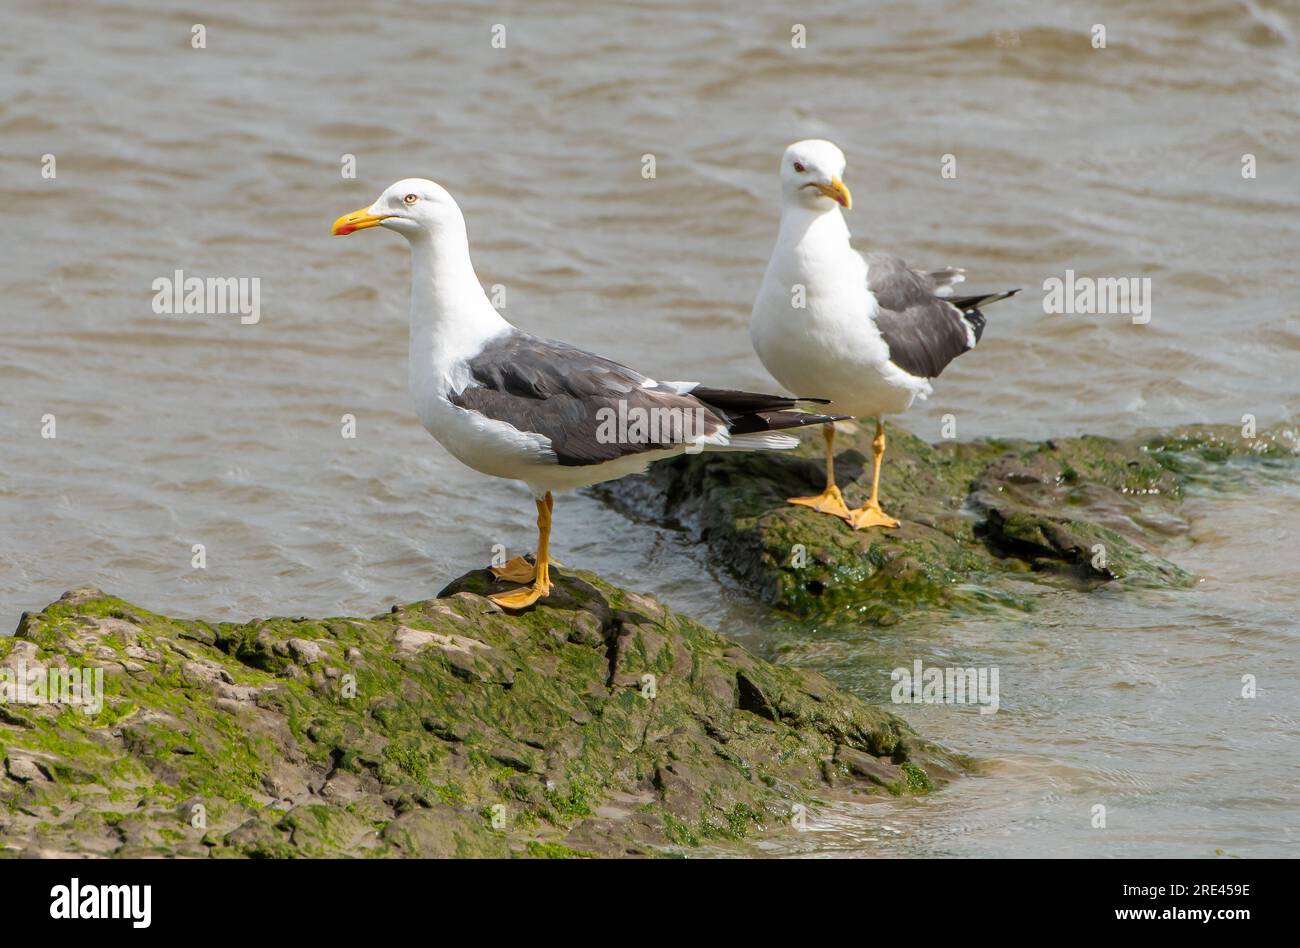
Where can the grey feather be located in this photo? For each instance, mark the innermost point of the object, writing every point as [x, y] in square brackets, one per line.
[557, 390]
[923, 331]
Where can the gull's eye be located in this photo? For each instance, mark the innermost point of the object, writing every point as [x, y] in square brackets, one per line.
[410, 199]
[800, 169]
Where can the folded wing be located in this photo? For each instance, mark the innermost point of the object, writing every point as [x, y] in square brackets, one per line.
[924, 330]
[584, 404]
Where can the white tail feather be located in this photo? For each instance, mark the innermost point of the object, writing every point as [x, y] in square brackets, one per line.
[758, 441]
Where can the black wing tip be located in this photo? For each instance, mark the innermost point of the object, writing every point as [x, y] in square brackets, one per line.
[966, 303]
[740, 402]
[747, 412]
[801, 419]
[780, 421]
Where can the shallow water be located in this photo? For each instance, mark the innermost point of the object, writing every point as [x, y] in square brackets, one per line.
[1132, 702]
[225, 161]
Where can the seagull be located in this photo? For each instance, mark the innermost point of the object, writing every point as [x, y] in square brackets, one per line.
[866, 330]
[513, 405]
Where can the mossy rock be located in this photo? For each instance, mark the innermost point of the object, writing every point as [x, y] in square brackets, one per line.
[596, 723]
[977, 518]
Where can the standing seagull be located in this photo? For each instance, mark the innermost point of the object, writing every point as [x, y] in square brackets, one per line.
[513, 405]
[866, 331]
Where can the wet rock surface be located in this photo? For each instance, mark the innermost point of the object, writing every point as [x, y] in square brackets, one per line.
[978, 518]
[596, 723]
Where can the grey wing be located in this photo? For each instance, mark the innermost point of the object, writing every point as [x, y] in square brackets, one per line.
[568, 395]
[939, 282]
[923, 331]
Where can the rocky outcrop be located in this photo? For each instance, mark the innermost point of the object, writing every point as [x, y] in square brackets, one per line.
[978, 518]
[597, 723]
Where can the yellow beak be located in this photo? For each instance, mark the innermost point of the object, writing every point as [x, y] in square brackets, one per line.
[837, 192]
[357, 220]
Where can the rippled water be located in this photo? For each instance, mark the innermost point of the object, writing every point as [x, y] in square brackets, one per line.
[225, 161]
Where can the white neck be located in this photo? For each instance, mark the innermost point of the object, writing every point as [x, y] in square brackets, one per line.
[451, 316]
[801, 223]
[812, 248]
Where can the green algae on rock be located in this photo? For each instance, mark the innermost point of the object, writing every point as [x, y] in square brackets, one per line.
[597, 723]
[978, 517]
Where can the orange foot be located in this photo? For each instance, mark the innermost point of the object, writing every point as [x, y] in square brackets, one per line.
[521, 598]
[517, 570]
[830, 501]
[870, 515]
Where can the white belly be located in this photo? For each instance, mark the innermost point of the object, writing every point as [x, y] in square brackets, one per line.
[491, 447]
[830, 349]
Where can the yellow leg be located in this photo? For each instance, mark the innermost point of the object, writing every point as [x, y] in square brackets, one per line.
[870, 514]
[541, 587]
[830, 500]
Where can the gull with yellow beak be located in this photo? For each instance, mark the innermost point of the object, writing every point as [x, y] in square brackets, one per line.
[865, 330]
[513, 405]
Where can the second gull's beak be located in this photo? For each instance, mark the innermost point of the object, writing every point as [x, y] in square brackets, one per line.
[357, 220]
[837, 192]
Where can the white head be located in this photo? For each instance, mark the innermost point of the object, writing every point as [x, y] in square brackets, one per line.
[414, 207]
[810, 176]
